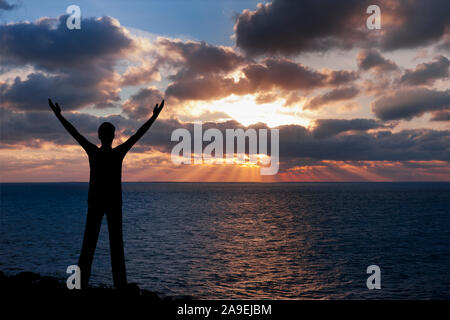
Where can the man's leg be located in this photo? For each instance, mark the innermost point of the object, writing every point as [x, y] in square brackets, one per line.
[93, 224]
[114, 217]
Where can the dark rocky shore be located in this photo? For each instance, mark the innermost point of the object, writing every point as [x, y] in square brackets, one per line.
[29, 293]
[29, 283]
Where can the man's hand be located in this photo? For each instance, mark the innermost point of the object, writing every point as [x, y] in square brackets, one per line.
[158, 109]
[56, 109]
[124, 147]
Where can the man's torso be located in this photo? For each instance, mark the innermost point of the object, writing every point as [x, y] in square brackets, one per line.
[105, 178]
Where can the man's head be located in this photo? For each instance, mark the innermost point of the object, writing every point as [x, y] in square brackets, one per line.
[106, 133]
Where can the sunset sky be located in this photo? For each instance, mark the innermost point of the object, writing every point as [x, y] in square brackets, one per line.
[351, 104]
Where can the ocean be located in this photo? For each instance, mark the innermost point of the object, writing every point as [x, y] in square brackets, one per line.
[244, 240]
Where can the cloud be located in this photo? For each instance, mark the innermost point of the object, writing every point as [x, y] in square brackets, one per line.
[427, 73]
[292, 27]
[444, 45]
[145, 73]
[325, 141]
[266, 98]
[338, 94]
[410, 103]
[4, 5]
[141, 104]
[288, 75]
[330, 127]
[270, 74]
[49, 45]
[283, 74]
[197, 58]
[72, 90]
[340, 77]
[406, 145]
[202, 70]
[373, 60]
[418, 23]
[75, 67]
[35, 128]
[441, 116]
[204, 88]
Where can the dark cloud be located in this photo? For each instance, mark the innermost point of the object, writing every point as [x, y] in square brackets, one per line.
[441, 116]
[340, 77]
[34, 128]
[202, 69]
[445, 44]
[418, 23]
[72, 90]
[297, 142]
[427, 73]
[289, 75]
[197, 58]
[291, 27]
[270, 74]
[284, 74]
[405, 145]
[324, 142]
[373, 60]
[409, 103]
[75, 67]
[330, 127]
[204, 88]
[49, 45]
[138, 75]
[338, 94]
[141, 104]
[4, 5]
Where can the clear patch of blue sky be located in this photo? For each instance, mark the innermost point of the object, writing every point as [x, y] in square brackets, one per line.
[208, 20]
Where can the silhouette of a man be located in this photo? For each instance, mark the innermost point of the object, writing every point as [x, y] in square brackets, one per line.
[105, 193]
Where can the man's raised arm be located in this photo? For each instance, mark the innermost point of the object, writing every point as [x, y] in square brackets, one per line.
[70, 128]
[126, 146]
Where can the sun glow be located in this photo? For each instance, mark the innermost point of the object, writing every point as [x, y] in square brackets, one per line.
[247, 111]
